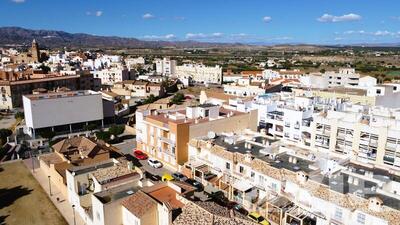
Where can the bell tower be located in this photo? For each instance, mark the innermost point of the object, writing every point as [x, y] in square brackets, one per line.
[35, 51]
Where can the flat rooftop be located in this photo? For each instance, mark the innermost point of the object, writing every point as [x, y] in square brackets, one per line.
[78, 170]
[117, 193]
[54, 95]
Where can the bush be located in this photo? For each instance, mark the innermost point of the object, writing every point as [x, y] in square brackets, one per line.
[47, 134]
[4, 133]
[150, 99]
[103, 135]
[90, 127]
[177, 99]
[116, 129]
[19, 115]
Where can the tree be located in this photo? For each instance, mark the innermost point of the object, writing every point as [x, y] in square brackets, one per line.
[150, 99]
[103, 135]
[44, 68]
[116, 129]
[19, 115]
[177, 99]
[90, 127]
[47, 134]
[4, 133]
[322, 71]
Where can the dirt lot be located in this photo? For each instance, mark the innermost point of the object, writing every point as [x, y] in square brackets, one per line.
[22, 200]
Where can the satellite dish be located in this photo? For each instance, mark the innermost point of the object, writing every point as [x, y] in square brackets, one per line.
[211, 134]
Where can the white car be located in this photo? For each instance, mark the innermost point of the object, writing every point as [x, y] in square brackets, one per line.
[154, 163]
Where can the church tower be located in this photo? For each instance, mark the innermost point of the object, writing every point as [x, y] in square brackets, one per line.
[35, 51]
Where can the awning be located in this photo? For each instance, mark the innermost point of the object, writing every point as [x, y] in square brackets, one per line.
[242, 185]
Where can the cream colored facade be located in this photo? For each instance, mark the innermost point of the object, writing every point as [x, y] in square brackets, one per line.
[200, 73]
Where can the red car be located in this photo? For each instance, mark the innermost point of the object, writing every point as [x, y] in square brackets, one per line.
[140, 155]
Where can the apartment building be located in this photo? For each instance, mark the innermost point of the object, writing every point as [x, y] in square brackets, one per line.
[164, 134]
[138, 88]
[200, 73]
[245, 87]
[165, 66]
[13, 90]
[112, 75]
[345, 77]
[381, 95]
[291, 185]
[64, 111]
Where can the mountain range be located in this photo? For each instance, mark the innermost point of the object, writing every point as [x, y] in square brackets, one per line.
[11, 36]
[17, 36]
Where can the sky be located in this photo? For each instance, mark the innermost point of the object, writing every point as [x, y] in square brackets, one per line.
[245, 21]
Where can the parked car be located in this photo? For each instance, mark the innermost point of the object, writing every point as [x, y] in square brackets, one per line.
[179, 176]
[152, 176]
[195, 183]
[254, 216]
[239, 208]
[154, 163]
[167, 177]
[140, 155]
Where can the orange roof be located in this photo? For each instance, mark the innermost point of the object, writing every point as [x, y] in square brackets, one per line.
[139, 204]
[251, 72]
[167, 196]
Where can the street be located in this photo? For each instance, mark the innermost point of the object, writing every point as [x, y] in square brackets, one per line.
[128, 146]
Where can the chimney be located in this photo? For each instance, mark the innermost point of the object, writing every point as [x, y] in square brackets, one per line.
[248, 156]
[375, 204]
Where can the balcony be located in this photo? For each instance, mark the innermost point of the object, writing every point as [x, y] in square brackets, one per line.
[166, 140]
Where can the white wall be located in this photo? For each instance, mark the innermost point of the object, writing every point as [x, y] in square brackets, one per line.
[49, 112]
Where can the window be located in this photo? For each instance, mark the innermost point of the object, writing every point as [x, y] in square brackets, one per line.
[338, 214]
[206, 113]
[274, 187]
[261, 180]
[228, 166]
[252, 174]
[361, 218]
[241, 169]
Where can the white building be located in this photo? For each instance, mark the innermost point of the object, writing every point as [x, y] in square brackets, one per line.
[130, 62]
[112, 75]
[62, 110]
[345, 77]
[291, 185]
[200, 73]
[165, 66]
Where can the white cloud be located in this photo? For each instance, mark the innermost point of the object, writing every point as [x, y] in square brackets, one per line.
[339, 38]
[327, 18]
[354, 32]
[239, 35]
[99, 13]
[376, 33]
[96, 13]
[148, 16]
[160, 37]
[204, 36]
[267, 19]
[18, 1]
[383, 33]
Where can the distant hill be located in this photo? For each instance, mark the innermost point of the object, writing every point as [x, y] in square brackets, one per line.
[54, 39]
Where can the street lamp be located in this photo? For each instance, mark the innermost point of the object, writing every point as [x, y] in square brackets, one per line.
[73, 211]
[51, 194]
